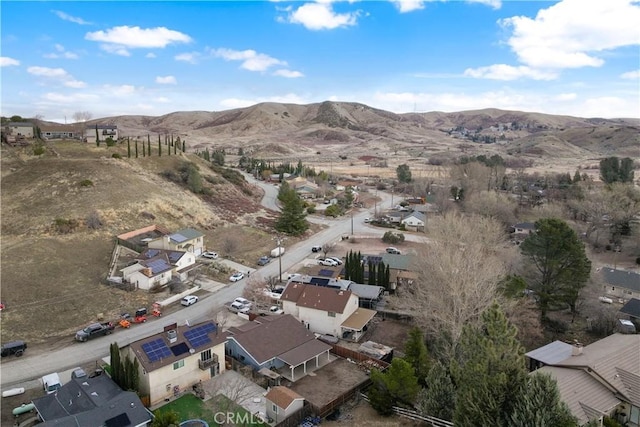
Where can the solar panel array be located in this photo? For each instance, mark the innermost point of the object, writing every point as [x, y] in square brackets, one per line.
[179, 349]
[156, 350]
[199, 336]
[151, 253]
[373, 259]
[178, 238]
[157, 265]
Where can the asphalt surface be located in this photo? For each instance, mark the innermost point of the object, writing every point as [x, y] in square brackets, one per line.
[26, 370]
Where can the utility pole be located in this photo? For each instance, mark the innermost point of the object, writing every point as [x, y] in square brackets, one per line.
[279, 240]
[352, 221]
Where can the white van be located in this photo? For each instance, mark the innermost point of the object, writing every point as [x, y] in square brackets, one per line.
[51, 383]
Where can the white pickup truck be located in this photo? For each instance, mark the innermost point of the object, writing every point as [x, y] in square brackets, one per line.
[51, 383]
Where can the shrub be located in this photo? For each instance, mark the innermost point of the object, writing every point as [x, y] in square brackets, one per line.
[116, 156]
[86, 183]
[391, 237]
[312, 209]
[333, 210]
[110, 142]
[93, 220]
[65, 226]
[38, 150]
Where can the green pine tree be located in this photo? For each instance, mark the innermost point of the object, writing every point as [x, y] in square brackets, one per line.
[292, 216]
[415, 353]
[128, 148]
[439, 399]
[540, 405]
[396, 386]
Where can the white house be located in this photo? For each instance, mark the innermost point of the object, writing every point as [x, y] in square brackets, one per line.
[172, 361]
[24, 129]
[282, 402]
[148, 273]
[414, 221]
[621, 283]
[326, 310]
[100, 131]
[187, 239]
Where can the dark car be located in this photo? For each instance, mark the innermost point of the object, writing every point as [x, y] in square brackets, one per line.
[316, 249]
[264, 260]
[14, 347]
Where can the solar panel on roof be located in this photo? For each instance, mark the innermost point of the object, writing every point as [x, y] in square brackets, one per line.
[325, 272]
[156, 350]
[199, 335]
[157, 265]
[179, 349]
[152, 252]
[374, 259]
[178, 238]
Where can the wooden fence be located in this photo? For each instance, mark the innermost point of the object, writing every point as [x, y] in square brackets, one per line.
[363, 360]
[296, 418]
[413, 415]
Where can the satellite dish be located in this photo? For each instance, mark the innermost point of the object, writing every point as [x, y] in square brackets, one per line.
[191, 351]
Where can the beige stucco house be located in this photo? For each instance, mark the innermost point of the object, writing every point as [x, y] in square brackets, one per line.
[187, 239]
[282, 402]
[15, 129]
[177, 358]
[103, 132]
[622, 284]
[326, 310]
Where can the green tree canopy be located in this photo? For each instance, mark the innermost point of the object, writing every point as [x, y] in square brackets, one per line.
[438, 399]
[404, 173]
[540, 405]
[396, 386]
[292, 218]
[560, 266]
[612, 169]
[415, 352]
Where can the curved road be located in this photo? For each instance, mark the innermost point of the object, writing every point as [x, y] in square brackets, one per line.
[26, 371]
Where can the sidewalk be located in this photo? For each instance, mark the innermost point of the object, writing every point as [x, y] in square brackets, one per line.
[209, 285]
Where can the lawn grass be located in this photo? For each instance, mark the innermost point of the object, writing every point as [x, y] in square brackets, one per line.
[190, 407]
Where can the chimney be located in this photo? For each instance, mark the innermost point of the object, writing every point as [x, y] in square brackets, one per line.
[172, 336]
[576, 349]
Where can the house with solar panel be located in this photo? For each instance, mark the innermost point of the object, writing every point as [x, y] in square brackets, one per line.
[278, 346]
[187, 240]
[182, 262]
[149, 273]
[174, 360]
[327, 310]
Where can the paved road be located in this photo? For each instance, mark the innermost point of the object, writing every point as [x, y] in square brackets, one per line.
[22, 371]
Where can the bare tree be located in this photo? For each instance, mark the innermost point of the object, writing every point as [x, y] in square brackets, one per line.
[80, 118]
[459, 271]
[237, 390]
[328, 247]
[229, 246]
[255, 291]
[490, 203]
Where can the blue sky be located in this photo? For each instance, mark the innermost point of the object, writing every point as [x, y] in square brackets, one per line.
[572, 57]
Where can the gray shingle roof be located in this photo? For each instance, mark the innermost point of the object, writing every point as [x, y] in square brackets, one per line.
[189, 233]
[621, 278]
[632, 308]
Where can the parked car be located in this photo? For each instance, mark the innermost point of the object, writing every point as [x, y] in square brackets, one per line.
[243, 301]
[337, 260]
[78, 373]
[327, 262]
[367, 220]
[210, 255]
[235, 277]
[14, 347]
[274, 309]
[189, 300]
[391, 250]
[316, 248]
[236, 307]
[264, 260]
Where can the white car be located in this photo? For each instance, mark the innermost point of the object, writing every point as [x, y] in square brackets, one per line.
[189, 300]
[210, 255]
[236, 277]
[243, 301]
[274, 309]
[337, 260]
[327, 262]
[236, 307]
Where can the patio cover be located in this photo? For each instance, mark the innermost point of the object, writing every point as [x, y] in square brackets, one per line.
[359, 319]
[304, 352]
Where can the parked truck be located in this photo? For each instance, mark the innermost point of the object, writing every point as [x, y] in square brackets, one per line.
[51, 383]
[94, 330]
[279, 251]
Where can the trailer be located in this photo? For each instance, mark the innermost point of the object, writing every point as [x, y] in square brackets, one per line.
[279, 251]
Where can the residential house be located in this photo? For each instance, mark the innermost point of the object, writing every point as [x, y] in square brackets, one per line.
[138, 240]
[523, 229]
[100, 131]
[187, 239]
[327, 310]
[305, 189]
[182, 262]
[91, 401]
[601, 379]
[59, 132]
[620, 283]
[149, 273]
[414, 221]
[401, 268]
[632, 309]
[282, 402]
[277, 343]
[177, 358]
[19, 129]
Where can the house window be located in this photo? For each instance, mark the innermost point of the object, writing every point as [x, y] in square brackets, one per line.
[275, 408]
[205, 355]
[331, 313]
[179, 364]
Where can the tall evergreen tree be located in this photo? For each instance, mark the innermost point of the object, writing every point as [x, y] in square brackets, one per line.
[489, 371]
[396, 386]
[128, 148]
[292, 216]
[415, 353]
[144, 149]
[116, 365]
[184, 146]
[159, 147]
[560, 264]
[97, 136]
[136, 148]
[372, 273]
[381, 274]
[540, 405]
[577, 177]
[439, 399]
[148, 145]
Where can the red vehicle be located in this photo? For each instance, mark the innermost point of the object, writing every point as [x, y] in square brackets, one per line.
[141, 315]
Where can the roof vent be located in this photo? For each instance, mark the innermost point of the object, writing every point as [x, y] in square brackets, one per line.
[172, 335]
[576, 349]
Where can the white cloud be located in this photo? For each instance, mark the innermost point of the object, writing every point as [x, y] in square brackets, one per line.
[572, 33]
[5, 61]
[150, 55]
[631, 75]
[161, 99]
[251, 60]
[121, 90]
[76, 84]
[67, 17]
[167, 80]
[508, 72]
[290, 74]
[73, 98]
[48, 72]
[190, 57]
[289, 98]
[118, 39]
[61, 52]
[405, 6]
[566, 97]
[321, 16]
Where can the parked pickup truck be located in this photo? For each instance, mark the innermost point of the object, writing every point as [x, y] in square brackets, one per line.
[94, 330]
